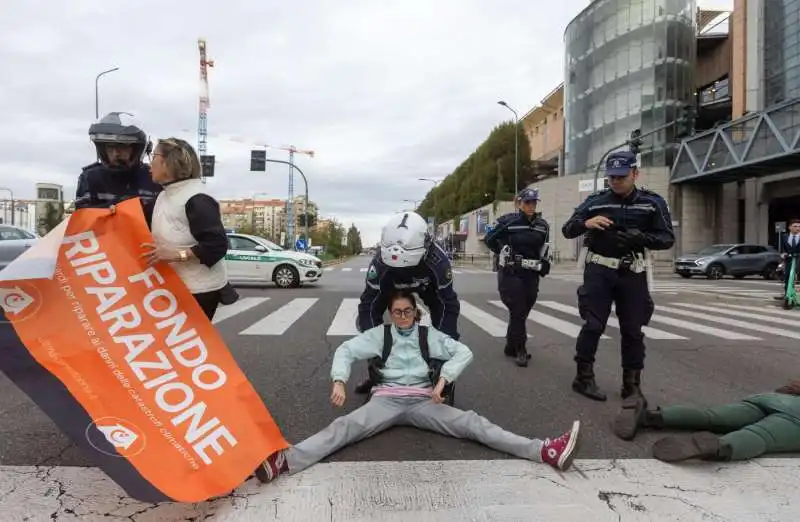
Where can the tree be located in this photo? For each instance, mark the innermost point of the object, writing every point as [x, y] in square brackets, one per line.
[333, 244]
[487, 175]
[52, 216]
[353, 240]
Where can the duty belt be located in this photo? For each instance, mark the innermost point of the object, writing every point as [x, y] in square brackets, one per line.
[635, 264]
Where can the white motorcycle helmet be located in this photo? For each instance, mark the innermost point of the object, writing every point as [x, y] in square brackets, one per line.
[404, 240]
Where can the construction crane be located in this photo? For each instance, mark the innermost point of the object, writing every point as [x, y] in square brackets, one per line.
[202, 123]
[290, 200]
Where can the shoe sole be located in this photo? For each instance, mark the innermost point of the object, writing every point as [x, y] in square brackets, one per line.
[626, 425]
[677, 449]
[574, 443]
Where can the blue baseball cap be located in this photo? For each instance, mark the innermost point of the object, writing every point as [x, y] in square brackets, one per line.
[620, 163]
[528, 194]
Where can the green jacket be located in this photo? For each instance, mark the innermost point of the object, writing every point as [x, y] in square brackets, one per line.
[778, 403]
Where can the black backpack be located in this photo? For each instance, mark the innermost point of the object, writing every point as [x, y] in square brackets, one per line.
[376, 364]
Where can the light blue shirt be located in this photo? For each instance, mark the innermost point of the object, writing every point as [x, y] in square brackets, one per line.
[405, 365]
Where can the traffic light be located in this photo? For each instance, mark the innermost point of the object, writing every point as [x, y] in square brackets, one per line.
[207, 165]
[684, 122]
[258, 161]
[635, 142]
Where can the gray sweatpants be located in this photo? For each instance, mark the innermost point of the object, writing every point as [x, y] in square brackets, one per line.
[381, 413]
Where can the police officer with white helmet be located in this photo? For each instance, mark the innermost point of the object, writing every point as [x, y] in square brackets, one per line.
[410, 259]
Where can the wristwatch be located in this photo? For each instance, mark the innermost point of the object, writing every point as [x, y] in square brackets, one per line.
[184, 256]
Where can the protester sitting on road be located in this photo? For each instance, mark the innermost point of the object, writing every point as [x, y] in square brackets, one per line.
[187, 226]
[756, 425]
[408, 396]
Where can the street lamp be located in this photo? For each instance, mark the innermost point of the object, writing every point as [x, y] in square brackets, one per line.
[435, 184]
[414, 201]
[97, 92]
[516, 146]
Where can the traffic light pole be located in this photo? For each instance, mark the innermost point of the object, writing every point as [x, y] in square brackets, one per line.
[624, 143]
[305, 181]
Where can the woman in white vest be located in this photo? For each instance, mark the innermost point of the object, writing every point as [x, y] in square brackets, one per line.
[187, 225]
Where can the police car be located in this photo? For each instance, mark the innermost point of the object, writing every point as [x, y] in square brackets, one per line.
[253, 259]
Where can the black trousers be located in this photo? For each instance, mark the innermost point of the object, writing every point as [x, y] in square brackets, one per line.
[209, 301]
[628, 291]
[518, 288]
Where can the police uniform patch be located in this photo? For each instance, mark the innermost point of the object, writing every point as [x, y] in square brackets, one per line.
[372, 273]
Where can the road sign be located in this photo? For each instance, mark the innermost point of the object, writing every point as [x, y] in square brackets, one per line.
[300, 244]
[780, 226]
[258, 161]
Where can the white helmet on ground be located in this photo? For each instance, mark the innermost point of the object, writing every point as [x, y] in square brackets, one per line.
[404, 240]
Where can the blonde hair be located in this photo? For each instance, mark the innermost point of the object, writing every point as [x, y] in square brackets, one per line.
[180, 159]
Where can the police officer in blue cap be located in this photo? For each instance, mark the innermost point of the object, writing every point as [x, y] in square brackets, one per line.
[521, 242]
[621, 224]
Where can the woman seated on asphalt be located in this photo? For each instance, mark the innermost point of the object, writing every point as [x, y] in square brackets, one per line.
[756, 425]
[406, 396]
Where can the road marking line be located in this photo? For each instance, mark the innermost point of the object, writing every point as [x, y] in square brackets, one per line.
[364, 269]
[743, 315]
[548, 321]
[732, 322]
[281, 319]
[344, 322]
[347, 269]
[652, 333]
[242, 305]
[771, 311]
[484, 320]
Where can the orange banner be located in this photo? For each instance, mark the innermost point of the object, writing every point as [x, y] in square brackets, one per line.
[130, 344]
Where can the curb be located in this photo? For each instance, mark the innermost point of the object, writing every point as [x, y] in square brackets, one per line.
[335, 262]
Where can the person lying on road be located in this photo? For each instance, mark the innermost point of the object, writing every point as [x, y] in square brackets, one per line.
[410, 394]
[756, 425]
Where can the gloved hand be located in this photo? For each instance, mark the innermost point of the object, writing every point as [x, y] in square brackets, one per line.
[545, 268]
[632, 238]
[792, 388]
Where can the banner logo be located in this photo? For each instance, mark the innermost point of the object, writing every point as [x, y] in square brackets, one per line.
[123, 435]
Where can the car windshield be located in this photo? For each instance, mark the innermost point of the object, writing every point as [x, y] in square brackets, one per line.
[270, 244]
[714, 249]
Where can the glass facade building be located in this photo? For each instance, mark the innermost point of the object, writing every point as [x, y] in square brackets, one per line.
[629, 65]
[781, 51]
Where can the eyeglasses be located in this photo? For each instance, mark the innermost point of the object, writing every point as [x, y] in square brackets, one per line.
[405, 312]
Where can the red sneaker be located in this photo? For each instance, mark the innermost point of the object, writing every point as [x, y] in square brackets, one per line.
[272, 467]
[559, 452]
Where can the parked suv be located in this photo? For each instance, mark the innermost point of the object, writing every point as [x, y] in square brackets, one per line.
[737, 260]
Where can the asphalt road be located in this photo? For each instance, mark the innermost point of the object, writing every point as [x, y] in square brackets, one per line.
[697, 355]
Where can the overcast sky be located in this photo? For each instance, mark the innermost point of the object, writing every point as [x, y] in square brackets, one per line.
[383, 91]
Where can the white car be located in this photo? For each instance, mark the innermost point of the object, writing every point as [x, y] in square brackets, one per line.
[14, 241]
[253, 259]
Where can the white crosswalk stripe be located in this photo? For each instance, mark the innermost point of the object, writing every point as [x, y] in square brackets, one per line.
[676, 321]
[755, 289]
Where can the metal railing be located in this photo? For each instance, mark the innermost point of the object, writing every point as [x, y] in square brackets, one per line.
[753, 143]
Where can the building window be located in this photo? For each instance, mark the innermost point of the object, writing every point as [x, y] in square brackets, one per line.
[628, 65]
[49, 193]
[781, 51]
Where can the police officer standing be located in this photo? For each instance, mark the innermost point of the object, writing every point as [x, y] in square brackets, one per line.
[521, 242]
[120, 173]
[621, 224]
[409, 259]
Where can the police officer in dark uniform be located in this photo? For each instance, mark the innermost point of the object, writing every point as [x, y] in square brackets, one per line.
[408, 258]
[621, 224]
[521, 242]
[120, 173]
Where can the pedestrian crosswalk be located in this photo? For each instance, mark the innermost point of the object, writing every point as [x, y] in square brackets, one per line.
[754, 289]
[356, 270]
[672, 321]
